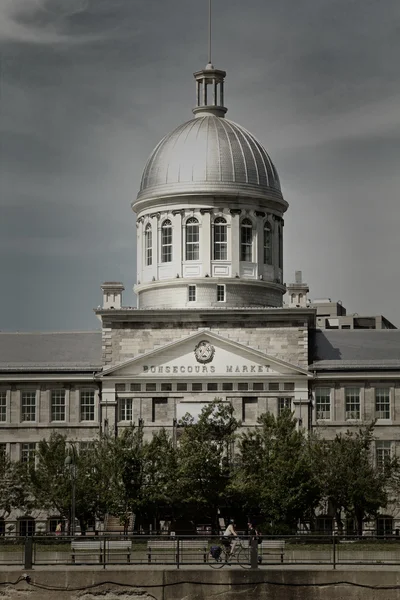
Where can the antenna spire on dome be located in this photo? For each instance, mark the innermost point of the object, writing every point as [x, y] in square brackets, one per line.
[210, 83]
[209, 65]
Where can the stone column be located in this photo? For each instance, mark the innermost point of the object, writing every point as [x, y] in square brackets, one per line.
[259, 243]
[155, 244]
[139, 248]
[177, 245]
[205, 241]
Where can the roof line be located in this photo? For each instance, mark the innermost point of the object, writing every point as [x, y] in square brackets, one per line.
[47, 332]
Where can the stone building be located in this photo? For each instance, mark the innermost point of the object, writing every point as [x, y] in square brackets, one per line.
[210, 319]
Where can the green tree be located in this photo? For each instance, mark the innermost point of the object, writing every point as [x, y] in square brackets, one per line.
[275, 477]
[204, 458]
[51, 480]
[352, 484]
[14, 491]
[161, 498]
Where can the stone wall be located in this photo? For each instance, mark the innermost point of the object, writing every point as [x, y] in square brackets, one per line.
[202, 584]
[122, 341]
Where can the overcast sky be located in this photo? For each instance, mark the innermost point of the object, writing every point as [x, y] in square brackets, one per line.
[88, 88]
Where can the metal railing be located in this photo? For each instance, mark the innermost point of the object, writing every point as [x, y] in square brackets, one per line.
[305, 549]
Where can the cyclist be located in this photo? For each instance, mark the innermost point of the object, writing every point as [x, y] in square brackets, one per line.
[230, 537]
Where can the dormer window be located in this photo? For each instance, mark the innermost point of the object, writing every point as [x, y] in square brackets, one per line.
[166, 241]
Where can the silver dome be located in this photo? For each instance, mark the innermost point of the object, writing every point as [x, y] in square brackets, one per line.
[210, 155]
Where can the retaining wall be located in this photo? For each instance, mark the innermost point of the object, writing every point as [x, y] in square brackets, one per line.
[201, 584]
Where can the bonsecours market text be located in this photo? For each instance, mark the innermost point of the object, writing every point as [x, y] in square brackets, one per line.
[206, 369]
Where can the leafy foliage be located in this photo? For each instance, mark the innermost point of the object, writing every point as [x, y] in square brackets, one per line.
[276, 472]
[275, 476]
[350, 481]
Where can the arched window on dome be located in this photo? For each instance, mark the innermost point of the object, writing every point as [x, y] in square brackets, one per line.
[267, 243]
[246, 241]
[148, 245]
[166, 241]
[220, 242]
[192, 239]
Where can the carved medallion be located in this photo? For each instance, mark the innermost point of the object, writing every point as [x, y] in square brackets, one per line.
[204, 352]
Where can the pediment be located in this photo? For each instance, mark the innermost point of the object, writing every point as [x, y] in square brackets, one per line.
[204, 353]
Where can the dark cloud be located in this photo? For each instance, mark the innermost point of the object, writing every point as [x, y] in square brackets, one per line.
[88, 88]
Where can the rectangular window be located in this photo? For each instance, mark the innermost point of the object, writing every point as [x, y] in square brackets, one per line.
[192, 239]
[148, 236]
[136, 387]
[151, 387]
[273, 387]
[28, 452]
[87, 405]
[249, 410]
[166, 242]
[125, 409]
[284, 403]
[352, 403]
[220, 239]
[227, 386]
[382, 403]
[159, 409]
[3, 406]
[58, 405]
[181, 387]
[28, 406]
[197, 387]
[383, 451]
[246, 242]
[243, 387]
[120, 387]
[166, 387]
[258, 386]
[323, 403]
[212, 387]
[3, 450]
[288, 387]
[220, 293]
[191, 293]
[85, 447]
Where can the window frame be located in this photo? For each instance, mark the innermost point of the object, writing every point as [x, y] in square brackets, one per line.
[27, 452]
[3, 406]
[166, 241]
[382, 403]
[323, 405]
[221, 287]
[86, 408]
[350, 401]
[267, 243]
[383, 450]
[246, 240]
[26, 406]
[192, 239]
[192, 293]
[220, 239]
[283, 403]
[162, 400]
[148, 245]
[54, 406]
[125, 408]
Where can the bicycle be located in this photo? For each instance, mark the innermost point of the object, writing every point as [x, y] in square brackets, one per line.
[241, 555]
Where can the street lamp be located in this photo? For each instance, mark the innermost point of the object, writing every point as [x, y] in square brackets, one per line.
[70, 464]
